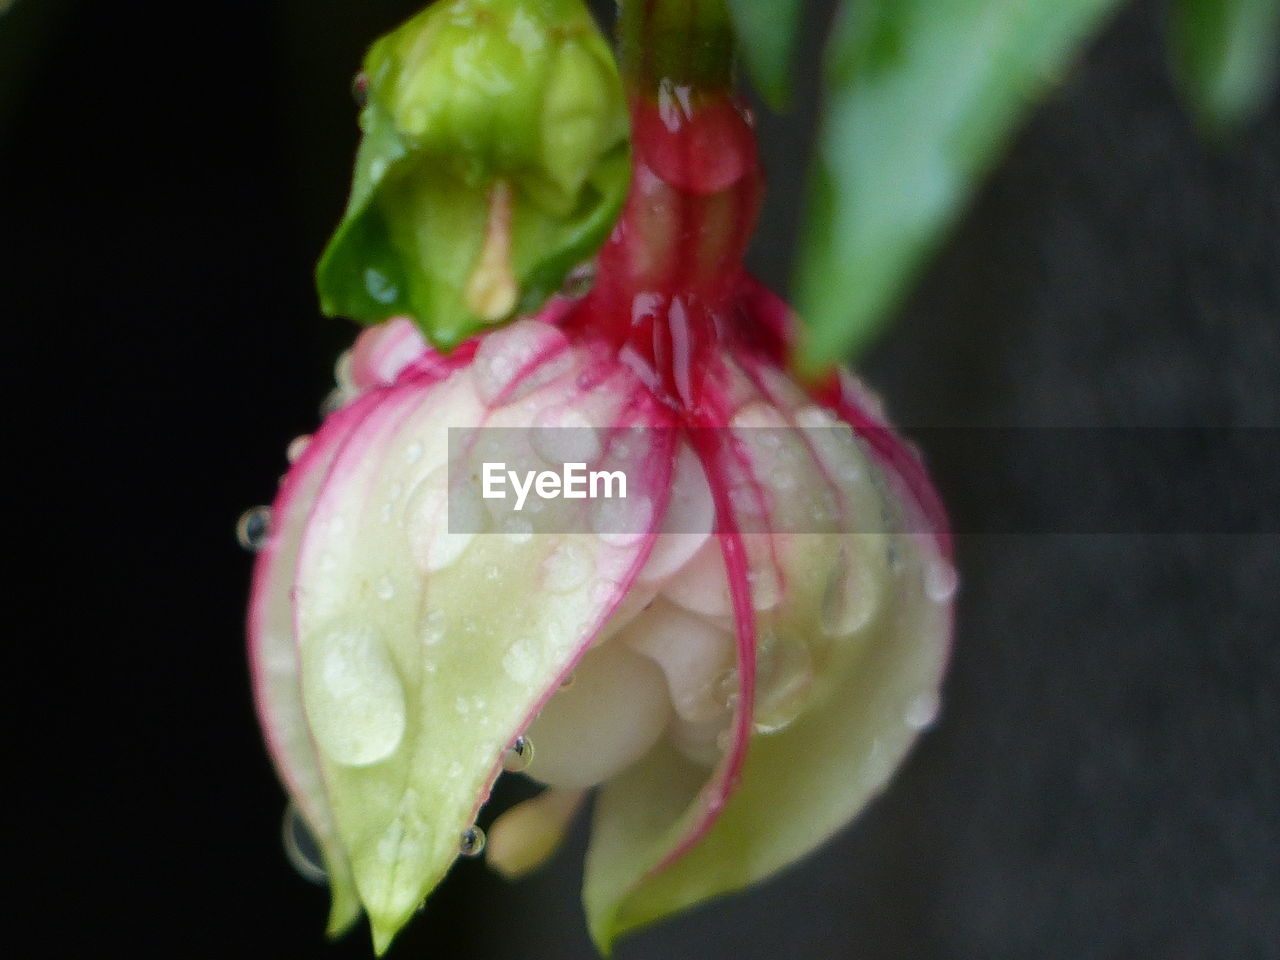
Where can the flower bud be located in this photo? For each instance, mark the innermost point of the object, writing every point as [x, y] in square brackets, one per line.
[494, 160]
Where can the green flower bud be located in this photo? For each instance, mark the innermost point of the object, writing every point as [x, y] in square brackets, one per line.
[494, 160]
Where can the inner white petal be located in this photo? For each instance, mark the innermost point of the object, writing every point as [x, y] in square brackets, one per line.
[615, 710]
[694, 654]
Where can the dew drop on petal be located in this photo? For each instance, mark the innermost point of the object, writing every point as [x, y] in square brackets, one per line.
[783, 682]
[567, 567]
[254, 528]
[342, 371]
[471, 843]
[922, 710]
[432, 627]
[513, 362]
[432, 509]
[517, 530]
[332, 402]
[297, 447]
[622, 522]
[301, 848]
[564, 435]
[518, 755]
[578, 281]
[354, 700]
[850, 597]
[940, 580]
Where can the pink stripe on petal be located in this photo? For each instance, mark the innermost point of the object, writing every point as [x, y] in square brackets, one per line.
[277, 697]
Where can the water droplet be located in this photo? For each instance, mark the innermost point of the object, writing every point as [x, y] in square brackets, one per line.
[567, 568]
[385, 588]
[353, 697]
[513, 362]
[521, 661]
[624, 521]
[922, 710]
[850, 597]
[332, 402]
[579, 280]
[517, 530]
[254, 528]
[360, 89]
[940, 580]
[518, 756]
[301, 848]
[342, 371]
[297, 447]
[567, 682]
[784, 677]
[471, 843]
[413, 452]
[431, 510]
[433, 627]
[726, 688]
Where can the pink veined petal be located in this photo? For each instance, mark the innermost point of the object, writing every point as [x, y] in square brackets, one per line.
[900, 462]
[381, 353]
[395, 801]
[665, 836]
[273, 656]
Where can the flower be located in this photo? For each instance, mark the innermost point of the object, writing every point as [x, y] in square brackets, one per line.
[734, 657]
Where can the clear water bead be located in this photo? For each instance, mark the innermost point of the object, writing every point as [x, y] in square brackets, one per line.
[333, 402]
[579, 280]
[940, 580]
[253, 528]
[297, 447]
[471, 844]
[922, 711]
[301, 847]
[518, 756]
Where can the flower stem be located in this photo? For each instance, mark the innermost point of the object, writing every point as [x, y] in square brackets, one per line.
[688, 43]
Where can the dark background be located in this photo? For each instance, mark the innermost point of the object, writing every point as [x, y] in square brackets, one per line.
[1105, 779]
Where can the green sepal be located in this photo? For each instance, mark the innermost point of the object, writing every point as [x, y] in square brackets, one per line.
[472, 102]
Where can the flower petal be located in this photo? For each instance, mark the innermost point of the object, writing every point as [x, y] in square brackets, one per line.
[273, 656]
[414, 679]
[849, 661]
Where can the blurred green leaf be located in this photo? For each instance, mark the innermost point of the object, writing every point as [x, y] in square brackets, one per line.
[1225, 56]
[922, 95]
[767, 37]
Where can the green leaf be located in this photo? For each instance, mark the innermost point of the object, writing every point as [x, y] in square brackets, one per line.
[1225, 56]
[922, 96]
[767, 37]
[494, 160]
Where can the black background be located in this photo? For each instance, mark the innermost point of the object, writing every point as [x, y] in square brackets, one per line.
[1105, 780]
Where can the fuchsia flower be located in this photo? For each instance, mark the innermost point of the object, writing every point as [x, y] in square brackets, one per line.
[735, 667]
